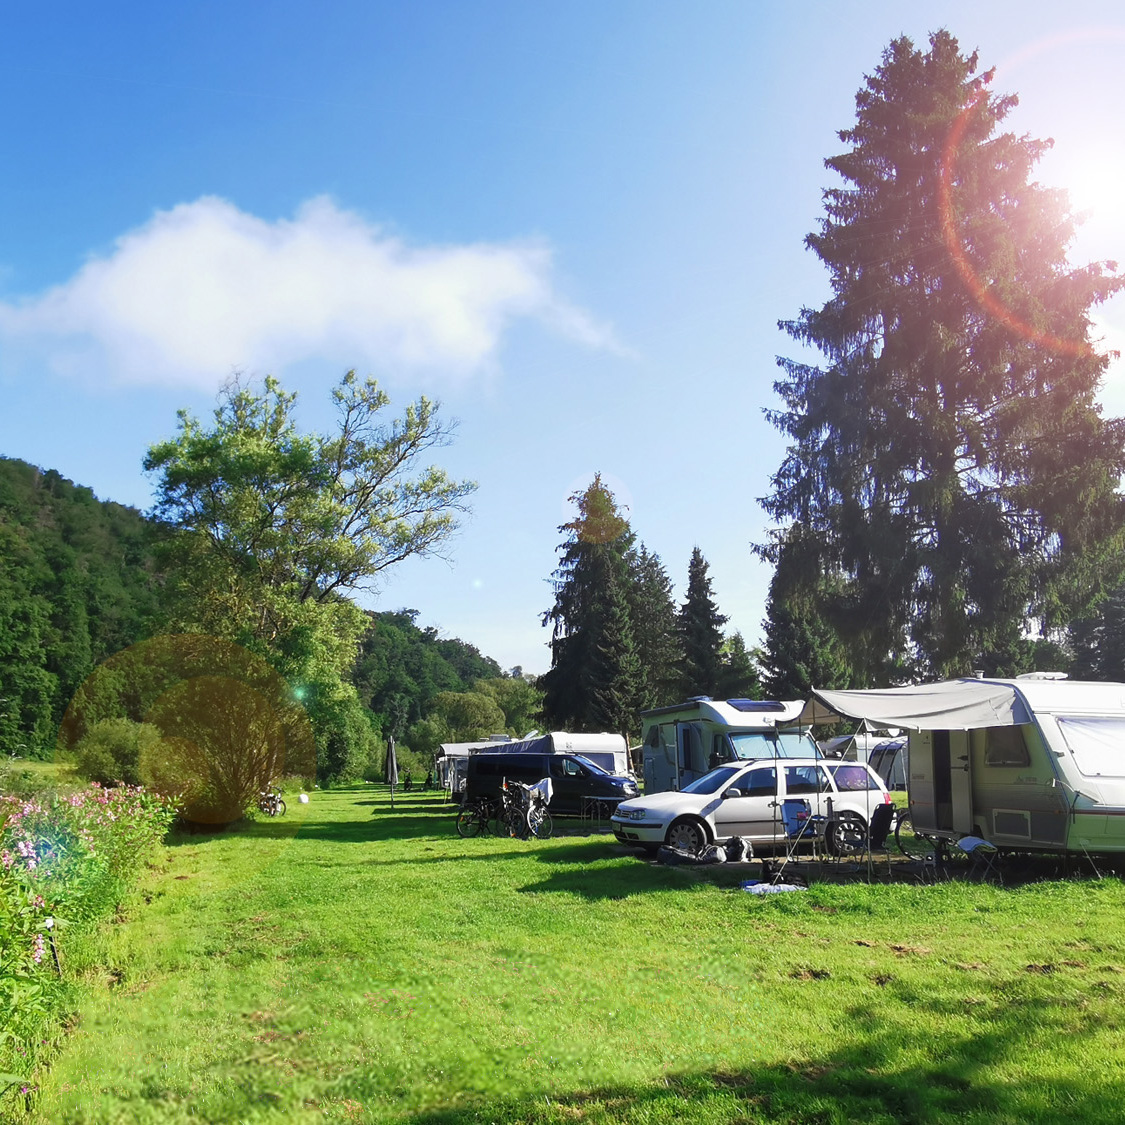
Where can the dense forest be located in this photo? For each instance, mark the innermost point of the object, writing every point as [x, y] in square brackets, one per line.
[80, 581]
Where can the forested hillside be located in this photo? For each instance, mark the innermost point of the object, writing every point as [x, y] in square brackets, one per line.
[79, 582]
[401, 668]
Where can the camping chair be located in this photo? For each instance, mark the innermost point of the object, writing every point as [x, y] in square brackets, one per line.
[983, 857]
[799, 826]
[849, 839]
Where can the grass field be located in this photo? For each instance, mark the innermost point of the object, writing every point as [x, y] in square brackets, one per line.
[355, 963]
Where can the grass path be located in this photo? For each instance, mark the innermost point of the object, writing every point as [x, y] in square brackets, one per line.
[352, 963]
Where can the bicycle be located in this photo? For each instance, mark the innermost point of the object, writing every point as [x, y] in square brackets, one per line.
[524, 812]
[271, 802]
[478, 817]
[914, 845]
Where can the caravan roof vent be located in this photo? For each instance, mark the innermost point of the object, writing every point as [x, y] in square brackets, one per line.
[1042, 676]
[756, 706]
[699, 699]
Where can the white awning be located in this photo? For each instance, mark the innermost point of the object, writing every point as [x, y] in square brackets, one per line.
[953, 705]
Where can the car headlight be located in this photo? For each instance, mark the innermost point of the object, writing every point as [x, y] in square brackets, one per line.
[633, 814]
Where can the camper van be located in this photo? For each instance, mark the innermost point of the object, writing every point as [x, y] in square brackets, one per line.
[683, 742]
[609, 752]
[1031, 764]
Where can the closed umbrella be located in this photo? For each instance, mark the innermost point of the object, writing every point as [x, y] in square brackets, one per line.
[392, 769]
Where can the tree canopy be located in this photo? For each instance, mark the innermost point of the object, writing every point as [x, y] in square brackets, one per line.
[948, 458]
[271, 528]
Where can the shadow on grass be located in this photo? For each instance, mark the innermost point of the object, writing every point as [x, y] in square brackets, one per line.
[894, 1068]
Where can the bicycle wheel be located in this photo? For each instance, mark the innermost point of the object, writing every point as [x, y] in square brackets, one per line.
[469, 821]
[914, 845]
[279, 807]
[539, 821]
[495, 820]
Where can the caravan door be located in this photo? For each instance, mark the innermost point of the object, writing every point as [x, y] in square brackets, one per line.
[691, 756]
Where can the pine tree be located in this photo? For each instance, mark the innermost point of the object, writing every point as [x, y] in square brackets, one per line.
[803, 649]
[1098, 640]
[594, 676]
[701, 633]
[949, 458]
[739, 677]
[653, 612]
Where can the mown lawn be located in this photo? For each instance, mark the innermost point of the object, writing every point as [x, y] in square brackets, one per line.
[359, 964]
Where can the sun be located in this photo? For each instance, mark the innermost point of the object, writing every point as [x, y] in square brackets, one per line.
[1095, 182]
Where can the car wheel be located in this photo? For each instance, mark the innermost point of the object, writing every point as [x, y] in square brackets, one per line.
[847, 835]
[687, 836]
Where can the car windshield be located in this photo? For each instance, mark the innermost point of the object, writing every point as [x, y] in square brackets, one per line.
[748, 745]
[714, 781]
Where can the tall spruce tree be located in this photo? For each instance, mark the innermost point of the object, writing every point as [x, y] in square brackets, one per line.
[803, 650]
[701, 633]
[653, 612]
[949, 457]
[594, 677]
[739, 676]
[1098, 640]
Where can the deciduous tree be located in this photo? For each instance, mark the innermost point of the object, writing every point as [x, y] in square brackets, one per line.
[272, 527]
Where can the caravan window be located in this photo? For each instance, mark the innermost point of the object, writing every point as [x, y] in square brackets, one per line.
[1097, 743]
[1004, 746]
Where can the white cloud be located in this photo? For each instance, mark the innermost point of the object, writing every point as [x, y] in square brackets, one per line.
[206, 288]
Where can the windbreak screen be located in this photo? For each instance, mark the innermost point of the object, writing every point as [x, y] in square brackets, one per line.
[1097, 743]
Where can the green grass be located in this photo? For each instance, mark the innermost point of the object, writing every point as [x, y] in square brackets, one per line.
[352, 963]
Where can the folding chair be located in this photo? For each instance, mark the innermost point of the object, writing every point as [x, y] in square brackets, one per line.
[849, 839]
[800, 827]
[983, 857]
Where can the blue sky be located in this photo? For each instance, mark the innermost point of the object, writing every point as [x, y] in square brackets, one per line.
[576, 224]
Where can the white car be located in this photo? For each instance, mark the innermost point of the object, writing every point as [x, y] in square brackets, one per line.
[745, 798]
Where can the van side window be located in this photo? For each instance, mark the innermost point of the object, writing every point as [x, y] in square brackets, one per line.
[572, 769]
[1004, 746]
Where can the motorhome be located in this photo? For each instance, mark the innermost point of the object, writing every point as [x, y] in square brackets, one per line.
[683, 742]
[1036, 763]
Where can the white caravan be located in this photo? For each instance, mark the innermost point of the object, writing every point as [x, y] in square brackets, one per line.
[1032, 764]
[683, 742]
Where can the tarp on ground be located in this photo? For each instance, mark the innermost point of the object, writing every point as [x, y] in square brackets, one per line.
[951, 705]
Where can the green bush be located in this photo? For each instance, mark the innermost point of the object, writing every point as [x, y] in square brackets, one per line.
[110, 752]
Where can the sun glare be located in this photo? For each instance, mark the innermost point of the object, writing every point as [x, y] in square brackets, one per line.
[1095, 182]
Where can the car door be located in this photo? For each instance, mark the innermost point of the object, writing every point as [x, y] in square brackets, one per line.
[753, 813]
[809, 782]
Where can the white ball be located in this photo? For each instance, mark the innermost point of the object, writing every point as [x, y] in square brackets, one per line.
[303, 798]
